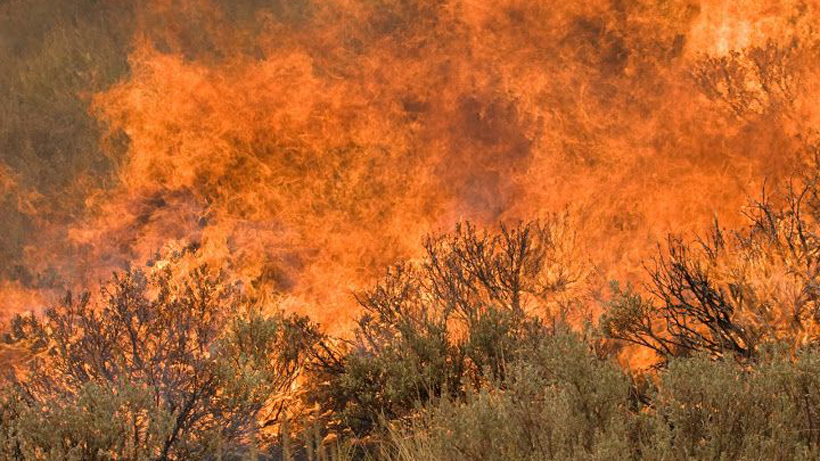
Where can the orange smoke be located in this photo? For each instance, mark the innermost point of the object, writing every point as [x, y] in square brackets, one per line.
[307, 146]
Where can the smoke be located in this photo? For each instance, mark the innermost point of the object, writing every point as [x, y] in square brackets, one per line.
[305, 146]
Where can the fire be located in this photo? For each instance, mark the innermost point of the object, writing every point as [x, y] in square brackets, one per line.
[306, 148]
[729, 26]
[7, 182]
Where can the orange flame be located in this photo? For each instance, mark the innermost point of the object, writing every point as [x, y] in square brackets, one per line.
[305, 149]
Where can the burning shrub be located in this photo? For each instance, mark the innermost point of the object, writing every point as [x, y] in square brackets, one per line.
[455, 318]
[732, 292]
[758, 80]
[158, 368]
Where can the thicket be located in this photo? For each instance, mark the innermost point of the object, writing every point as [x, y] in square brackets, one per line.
[460, 355]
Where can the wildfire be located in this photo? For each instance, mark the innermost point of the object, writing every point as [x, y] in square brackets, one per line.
[306, 147]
